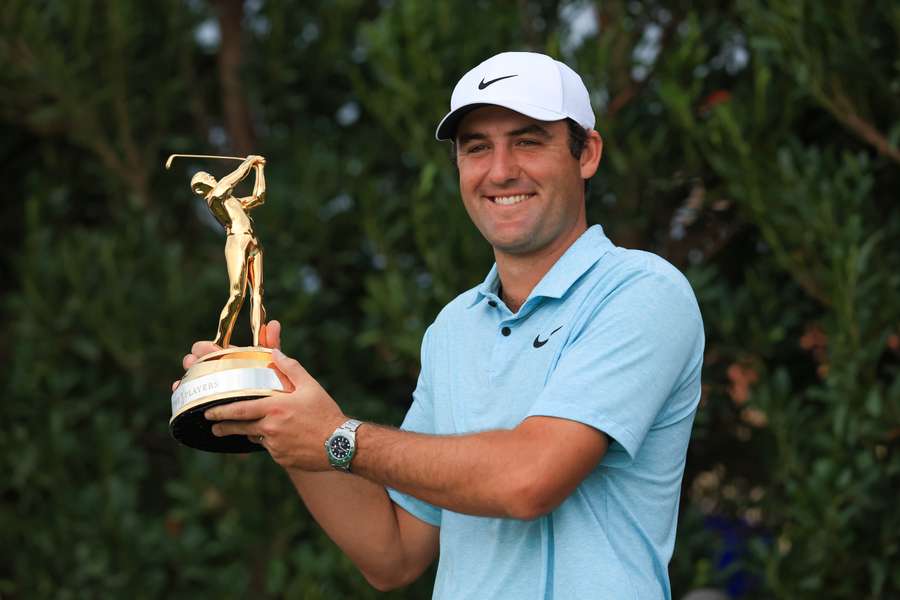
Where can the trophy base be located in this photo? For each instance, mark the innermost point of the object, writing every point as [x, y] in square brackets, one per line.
[218, 378]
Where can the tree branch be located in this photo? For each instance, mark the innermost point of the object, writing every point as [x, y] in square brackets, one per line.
[844, 111]
[624, 97]
[234, 104]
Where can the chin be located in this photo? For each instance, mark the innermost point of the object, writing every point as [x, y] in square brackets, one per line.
[515, 246]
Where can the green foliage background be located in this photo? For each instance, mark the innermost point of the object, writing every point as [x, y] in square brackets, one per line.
[752, 143]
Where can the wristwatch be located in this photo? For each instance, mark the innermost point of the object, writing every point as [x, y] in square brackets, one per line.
[341, 446]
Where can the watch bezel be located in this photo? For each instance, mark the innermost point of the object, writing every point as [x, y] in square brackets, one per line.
[346, 430]
[337, 461]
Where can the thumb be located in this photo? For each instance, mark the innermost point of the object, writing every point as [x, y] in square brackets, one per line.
[292, 370]
[271, 334]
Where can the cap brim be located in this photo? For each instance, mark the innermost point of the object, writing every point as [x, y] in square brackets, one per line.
[446, 129]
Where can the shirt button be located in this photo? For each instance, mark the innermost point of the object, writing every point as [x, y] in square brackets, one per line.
[506, 331]
[492, 304]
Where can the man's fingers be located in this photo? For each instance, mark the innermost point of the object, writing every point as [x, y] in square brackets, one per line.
[244, 410]
[175, 384]
[272, 334]
[200, 349]
[290, 367]
[235, 428]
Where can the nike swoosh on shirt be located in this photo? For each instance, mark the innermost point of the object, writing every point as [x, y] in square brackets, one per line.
[484, 83]
[538, 342]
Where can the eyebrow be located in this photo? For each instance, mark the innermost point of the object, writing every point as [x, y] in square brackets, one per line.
[468, 137]
[531, 129]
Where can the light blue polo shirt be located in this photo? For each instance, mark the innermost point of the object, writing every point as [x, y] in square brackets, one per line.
[609, 337]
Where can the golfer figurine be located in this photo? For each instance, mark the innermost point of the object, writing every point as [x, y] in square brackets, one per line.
[232, 373]
[243, 252]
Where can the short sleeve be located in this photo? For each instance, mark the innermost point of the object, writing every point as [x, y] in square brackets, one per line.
[623, 363]
[420, 418]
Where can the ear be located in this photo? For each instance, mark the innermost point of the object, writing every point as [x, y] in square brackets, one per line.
[590, 156]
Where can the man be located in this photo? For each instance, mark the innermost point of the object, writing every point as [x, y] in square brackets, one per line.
[243, 252]
[543, 453]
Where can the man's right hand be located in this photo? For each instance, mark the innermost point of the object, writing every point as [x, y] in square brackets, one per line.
[389, 545]
[269, 336]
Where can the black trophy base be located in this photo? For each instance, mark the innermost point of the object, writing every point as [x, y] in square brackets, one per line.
[192, 429]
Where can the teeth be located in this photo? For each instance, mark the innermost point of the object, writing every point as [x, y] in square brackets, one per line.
[510, 200]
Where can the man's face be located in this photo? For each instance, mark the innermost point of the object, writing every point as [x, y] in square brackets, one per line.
[519, 182]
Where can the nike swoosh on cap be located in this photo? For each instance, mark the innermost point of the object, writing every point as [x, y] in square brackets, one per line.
[484, 83]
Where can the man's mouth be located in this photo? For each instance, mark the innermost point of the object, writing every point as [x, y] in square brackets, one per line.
[509, 200]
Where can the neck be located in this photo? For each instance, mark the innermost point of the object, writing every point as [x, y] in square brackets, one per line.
[519, 274]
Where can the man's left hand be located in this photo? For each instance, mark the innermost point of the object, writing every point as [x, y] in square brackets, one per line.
[293, 425]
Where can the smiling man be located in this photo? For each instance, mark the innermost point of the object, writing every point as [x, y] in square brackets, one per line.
[543, 452]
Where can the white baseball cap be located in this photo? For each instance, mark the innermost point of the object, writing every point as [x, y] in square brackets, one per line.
[533, 84]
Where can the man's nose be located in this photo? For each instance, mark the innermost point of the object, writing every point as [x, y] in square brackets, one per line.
[504, 166]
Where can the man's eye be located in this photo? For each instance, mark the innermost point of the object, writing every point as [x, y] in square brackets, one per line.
[476, 148]
[527, 143]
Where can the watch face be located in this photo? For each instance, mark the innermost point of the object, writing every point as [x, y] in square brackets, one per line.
[340, 448]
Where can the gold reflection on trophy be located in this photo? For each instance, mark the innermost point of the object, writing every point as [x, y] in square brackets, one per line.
[243, 252]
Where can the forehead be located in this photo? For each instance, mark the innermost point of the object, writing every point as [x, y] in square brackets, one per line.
[498, 120]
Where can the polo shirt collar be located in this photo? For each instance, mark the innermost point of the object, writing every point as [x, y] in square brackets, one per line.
[488, 288]
[590, 247]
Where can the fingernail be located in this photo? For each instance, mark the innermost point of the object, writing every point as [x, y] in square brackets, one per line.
[277, 354]
[215, 431]
[210, 415]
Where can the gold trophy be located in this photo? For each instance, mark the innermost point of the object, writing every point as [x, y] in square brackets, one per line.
[234, 373]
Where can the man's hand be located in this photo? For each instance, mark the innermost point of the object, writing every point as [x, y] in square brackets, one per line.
[293, 426]
[269, 336]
